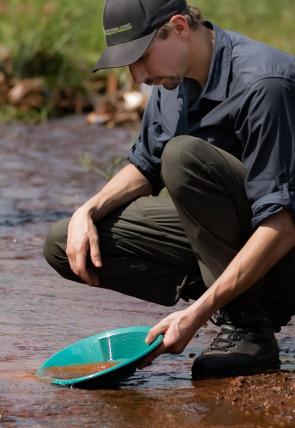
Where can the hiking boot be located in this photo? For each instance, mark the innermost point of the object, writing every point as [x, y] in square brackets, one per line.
[246, 343]
[238, 351]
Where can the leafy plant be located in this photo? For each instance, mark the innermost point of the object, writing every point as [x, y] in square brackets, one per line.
[107, 171]
[41, 36]
[9, 113]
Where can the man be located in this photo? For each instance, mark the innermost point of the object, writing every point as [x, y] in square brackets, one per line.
[219, 134]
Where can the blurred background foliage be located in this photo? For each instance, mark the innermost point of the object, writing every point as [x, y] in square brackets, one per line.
[55, 44]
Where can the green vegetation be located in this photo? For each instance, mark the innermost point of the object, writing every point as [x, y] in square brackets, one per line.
[107, 170]
[48, 37]
[57, 40]
[269, 21]
[60, 41]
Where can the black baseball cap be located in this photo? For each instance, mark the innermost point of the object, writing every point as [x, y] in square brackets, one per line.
[130, 26]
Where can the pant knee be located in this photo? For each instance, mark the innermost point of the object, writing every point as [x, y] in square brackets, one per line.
[178, 158]
[55, 244]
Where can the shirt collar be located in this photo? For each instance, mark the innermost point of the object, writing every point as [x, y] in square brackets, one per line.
[216, 86]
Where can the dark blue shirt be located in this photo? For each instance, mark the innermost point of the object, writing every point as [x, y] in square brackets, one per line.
[246, 108]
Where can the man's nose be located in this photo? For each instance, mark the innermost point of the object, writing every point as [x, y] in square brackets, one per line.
[138, 72]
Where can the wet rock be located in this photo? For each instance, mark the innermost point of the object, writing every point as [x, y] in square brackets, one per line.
[119, 106]
[27, 93]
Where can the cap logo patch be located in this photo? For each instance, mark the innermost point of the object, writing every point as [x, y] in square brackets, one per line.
[116, 30]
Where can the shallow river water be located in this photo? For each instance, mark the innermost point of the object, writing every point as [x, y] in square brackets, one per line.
[41, 181]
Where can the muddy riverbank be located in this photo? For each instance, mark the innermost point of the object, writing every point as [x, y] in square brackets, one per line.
[42, 180]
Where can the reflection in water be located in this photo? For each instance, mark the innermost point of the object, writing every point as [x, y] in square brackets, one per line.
[42, 181]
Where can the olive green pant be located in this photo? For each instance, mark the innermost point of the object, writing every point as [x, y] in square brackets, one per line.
[145, 252]
[162, 248]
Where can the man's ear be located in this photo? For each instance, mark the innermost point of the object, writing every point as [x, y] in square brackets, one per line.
[180, 25]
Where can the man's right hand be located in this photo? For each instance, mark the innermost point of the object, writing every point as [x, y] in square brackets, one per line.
[83, 237]
[126, 185]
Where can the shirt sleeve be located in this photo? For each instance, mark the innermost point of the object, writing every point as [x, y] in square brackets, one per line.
[266, 126]
[158, 127]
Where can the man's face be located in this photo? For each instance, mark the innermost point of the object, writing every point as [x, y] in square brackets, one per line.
[164, 63]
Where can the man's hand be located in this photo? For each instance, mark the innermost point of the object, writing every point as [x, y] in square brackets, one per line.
[83, 237]
[178, 330]
[126, 185]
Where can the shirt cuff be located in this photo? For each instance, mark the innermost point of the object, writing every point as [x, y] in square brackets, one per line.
[273, 203]
[150, 173]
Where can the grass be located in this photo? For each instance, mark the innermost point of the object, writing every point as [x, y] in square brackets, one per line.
[8, 113]
[62, 40]
[269, 21]
[107, 170]
[42, 36]
[51, 39]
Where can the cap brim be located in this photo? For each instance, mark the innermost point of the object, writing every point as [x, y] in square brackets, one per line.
[124, 54]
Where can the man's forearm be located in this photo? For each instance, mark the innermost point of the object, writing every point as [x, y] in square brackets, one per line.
[269, 243]
[126, 185]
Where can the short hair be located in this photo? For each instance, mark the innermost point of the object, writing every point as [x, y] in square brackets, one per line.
[193, 16]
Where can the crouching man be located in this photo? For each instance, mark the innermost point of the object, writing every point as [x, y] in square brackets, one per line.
[219, 134]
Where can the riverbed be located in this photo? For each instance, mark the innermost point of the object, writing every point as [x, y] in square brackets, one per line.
[42, 180]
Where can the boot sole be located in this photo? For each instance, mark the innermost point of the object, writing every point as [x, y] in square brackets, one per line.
[238, 371]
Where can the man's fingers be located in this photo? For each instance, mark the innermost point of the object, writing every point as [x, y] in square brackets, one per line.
[161, 349]
[95, 253]
[86, 276]
[155, 332]
[80, 269]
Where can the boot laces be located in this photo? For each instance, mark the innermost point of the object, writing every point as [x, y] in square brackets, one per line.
[226, 340]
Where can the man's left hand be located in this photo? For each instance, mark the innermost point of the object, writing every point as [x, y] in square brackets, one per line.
[178, 330]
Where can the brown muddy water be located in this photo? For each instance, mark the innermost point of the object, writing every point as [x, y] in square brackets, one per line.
[41, 181]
